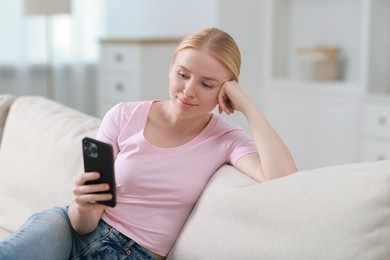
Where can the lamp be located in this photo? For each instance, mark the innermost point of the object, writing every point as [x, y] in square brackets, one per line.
[48, 8]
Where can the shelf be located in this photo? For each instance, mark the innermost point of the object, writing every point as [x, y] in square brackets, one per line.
[305, 41]
[359, 29]
[305, 23]
[328, 88]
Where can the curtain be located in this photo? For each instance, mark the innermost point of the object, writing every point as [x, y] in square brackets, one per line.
[74, 45]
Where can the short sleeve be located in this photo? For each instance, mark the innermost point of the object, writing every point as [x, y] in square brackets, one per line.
[238, 144]
[110, 128]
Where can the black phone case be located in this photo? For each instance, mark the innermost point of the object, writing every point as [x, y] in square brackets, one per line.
[98, 157]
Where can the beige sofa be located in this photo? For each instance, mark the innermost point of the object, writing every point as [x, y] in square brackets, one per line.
[340, 212]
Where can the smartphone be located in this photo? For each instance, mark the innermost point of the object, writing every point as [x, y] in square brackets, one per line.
[98, 157]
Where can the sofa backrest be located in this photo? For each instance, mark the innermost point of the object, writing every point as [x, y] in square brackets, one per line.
[337, 212]
[40, 157]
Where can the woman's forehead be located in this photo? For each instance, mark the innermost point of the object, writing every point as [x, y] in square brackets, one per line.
[200, 61]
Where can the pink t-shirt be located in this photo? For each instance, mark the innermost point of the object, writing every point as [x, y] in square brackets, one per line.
[158, 187]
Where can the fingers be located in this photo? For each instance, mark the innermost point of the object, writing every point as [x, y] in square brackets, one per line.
[232, 98]
[225, 103]
[86, 195]
[88, 200]
[87, 176]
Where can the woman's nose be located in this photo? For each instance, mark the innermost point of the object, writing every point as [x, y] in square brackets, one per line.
[189, 89]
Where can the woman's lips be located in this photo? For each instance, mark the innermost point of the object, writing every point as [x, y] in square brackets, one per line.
[185, 103]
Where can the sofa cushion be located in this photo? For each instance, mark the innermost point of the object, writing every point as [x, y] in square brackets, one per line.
[339, 212]
[5, 103]
[40, 157]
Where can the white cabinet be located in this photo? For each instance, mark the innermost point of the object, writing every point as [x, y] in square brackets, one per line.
[321, 118]
[133, 69]
[376, 129]
[319, 129]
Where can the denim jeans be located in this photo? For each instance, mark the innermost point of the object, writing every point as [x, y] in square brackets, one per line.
[49, 235]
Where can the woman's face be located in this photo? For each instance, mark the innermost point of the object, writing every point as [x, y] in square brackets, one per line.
[195, 79]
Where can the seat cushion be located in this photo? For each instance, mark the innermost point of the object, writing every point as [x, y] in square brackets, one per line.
[339, 212]
[40, 157]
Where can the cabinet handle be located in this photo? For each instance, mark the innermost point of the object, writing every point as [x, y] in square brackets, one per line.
[380, 157]
[119, 87]
[382, 120]
[118, 57]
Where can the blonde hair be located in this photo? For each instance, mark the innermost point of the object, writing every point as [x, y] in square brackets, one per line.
[218, 44]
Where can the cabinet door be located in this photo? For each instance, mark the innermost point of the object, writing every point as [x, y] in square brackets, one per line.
[336, 128]
[290, 116]
[319, 131]
[375, 150]
[376, 120]
[119, 57]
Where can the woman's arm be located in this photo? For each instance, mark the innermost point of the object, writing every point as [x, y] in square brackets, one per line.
[273, 159]
[84, 213]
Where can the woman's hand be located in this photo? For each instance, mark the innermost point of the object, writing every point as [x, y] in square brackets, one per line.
[86, 195]
[231, 97]
[272, 159]
[85, 213]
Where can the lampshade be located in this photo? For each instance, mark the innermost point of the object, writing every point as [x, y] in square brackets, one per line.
[32, 7]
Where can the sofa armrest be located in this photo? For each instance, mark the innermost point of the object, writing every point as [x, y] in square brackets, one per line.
[40, 156]
[5, 103]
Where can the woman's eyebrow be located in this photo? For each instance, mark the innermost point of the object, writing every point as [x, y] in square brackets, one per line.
[182, 67]
[210, 79]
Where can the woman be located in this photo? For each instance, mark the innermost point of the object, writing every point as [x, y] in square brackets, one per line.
[165, 152]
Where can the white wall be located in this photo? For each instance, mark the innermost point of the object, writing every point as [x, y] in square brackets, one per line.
[151, 18]
[244, 20]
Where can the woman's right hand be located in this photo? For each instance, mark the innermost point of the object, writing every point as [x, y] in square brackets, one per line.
[87, 195]
[85, 213]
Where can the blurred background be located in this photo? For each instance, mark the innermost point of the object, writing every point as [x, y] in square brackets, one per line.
[71, 41]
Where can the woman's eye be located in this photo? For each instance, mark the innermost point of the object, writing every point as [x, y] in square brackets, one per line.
[182, 75]
[206, 85]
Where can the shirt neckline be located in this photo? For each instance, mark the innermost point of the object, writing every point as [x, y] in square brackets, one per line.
[154, 148]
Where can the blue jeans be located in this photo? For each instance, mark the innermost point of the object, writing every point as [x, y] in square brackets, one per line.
[49, 235]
